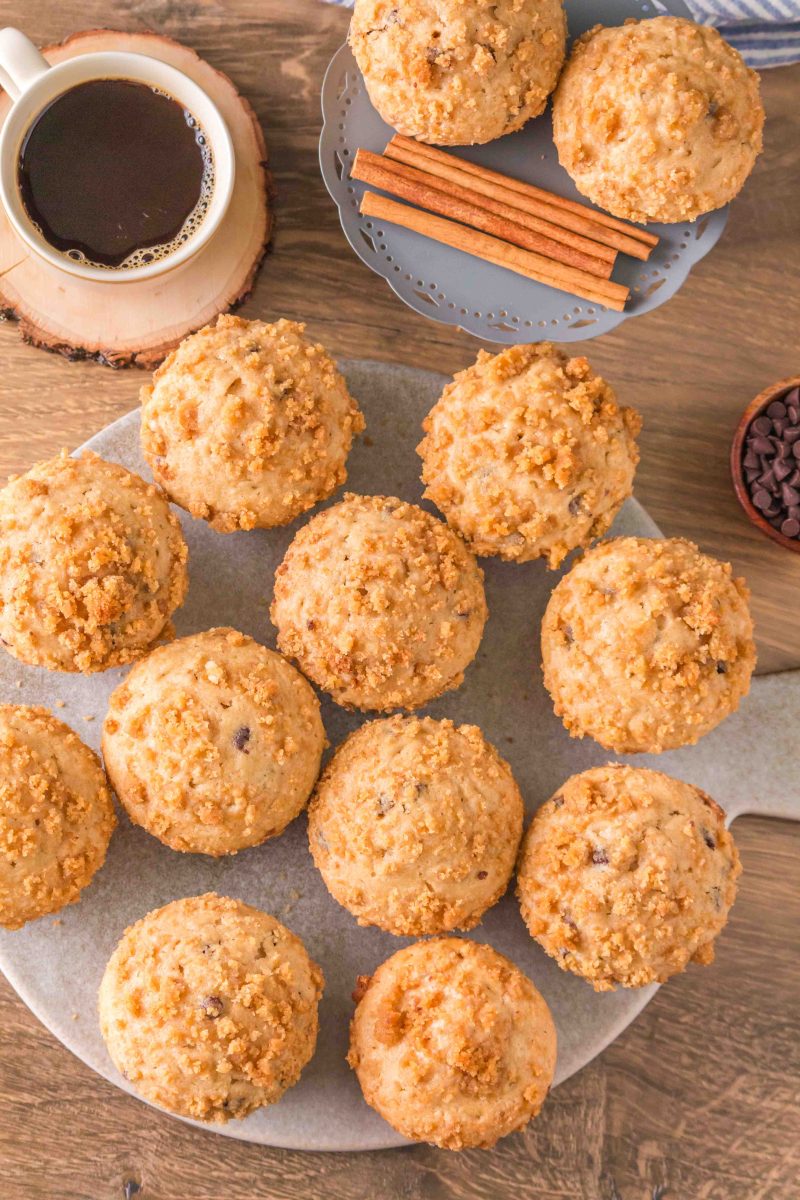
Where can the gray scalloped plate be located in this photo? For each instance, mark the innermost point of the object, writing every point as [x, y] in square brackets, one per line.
[457, 289]
[56, 965]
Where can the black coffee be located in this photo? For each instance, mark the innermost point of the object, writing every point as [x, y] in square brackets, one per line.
[115, 173]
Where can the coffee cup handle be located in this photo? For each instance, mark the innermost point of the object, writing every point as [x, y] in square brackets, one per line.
[21, 64]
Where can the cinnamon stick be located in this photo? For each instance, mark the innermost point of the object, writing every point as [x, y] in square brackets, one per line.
[598, 226]
[493, 250]
[460, 204]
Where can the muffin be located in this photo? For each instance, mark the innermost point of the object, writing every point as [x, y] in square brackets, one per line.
[657, 120]
[455, 72]
[625, 876]
[247, 425]
[528, 454]
[213, 743]
[92, 565]
[647, 644]
[380, 604]
[56, 815]
[209, 1008]
[452, 1044]
[415, 825]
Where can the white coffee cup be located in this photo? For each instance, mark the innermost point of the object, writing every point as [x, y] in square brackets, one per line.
[32, 83]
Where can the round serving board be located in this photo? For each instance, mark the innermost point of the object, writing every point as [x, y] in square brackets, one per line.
[56, 963]
[138, 323]
[459, 289]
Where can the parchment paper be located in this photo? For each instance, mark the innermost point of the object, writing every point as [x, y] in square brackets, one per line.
[56, 965]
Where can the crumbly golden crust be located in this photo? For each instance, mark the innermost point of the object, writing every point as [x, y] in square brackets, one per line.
[213, 743]
[657, 120]
[452, 1044]
[381, 605]
[92, 565]
[209, 1008]
[56, 815]
[647, 644]
[455, 72]
[528, 454]
[626, 875]
[415, 825]
[247, 425]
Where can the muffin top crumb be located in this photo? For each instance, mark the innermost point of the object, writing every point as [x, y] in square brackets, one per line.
[248, 424]
[657, 120]
[528, 454]
[56, 814]
[92, 565]
[457, 72]
[380, 604]
[209, 1007]
[452, 1044]
[627, 875]
[647, 644]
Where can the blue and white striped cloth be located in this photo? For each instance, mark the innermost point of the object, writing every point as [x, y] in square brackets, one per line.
[765, 32]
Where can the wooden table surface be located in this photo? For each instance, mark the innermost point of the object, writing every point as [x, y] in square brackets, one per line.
[700, 1099]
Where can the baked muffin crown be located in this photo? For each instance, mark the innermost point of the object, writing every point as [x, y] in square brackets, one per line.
[528, 454]
[657, 120]
[457, 72]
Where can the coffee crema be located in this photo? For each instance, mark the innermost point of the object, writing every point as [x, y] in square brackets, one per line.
[116, 174]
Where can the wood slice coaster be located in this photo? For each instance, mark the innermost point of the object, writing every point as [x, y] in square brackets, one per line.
[137, 324]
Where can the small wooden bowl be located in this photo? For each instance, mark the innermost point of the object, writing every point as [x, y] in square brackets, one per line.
[775, 391]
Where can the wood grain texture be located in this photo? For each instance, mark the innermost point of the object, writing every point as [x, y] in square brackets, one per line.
[700, 1099]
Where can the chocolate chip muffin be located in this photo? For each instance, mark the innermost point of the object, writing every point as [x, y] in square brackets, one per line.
[528, 454]
[657, 120]
[625, 876]
[209, 1008]
[455, 72]
[415, 825]
[247, 425]
[56, 815]
[380, 604]
[92, 565]
[452, 1044]
[647, 644]
[213, 743]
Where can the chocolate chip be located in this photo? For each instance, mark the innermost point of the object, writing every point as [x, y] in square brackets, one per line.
[762, 445]
[212, 1006]
[569, 636]
[767, 480]
[750, 461]
[794, 512]
[796, 448]
[791, 436]
[791, 527]
[793, 414]
[776, 409]
[558, 801]
[789, 495]
[782, 469]
[762, 425]
[792, 398]
[761, 499]
[722, 668]
[241, 738]
[708, 838]
[575, 505]
[568, 919]
[600, 857]
[482, 874]
[385, 804]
